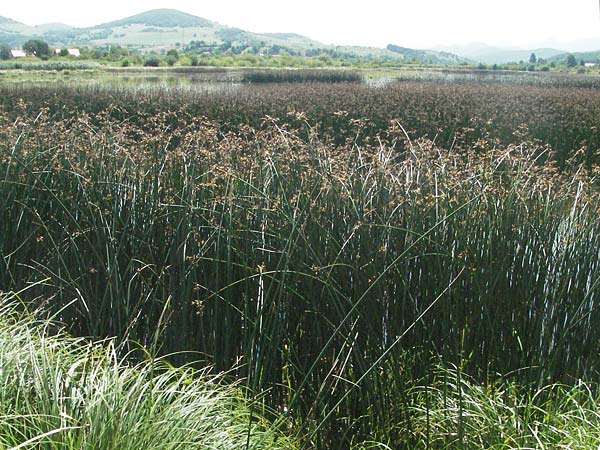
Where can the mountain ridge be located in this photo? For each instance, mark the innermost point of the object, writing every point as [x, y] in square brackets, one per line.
[163, 29]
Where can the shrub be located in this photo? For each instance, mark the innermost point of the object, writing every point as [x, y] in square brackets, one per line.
[152, 61]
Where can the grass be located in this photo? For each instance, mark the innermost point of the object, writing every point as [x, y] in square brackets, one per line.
[456, 412]
[330, 277]
[59, 392]
[47, 65]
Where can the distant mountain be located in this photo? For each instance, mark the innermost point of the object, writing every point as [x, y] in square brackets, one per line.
[6, 20]
[163, 29]
[426, 56]
[51, 27]
[487, 54]
[586, 57]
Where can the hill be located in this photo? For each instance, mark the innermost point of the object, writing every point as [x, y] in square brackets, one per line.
[161, 18]
[586, 57]
[163, 29]
[52, 27]
[487, 54]
[427, 56]
[6, 20]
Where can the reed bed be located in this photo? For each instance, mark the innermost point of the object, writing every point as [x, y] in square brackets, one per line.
[47, 65]
[301, 76]
[450, 114]
[330, 277]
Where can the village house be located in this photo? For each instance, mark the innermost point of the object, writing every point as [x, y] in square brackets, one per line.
[70, 52]
[17, 53]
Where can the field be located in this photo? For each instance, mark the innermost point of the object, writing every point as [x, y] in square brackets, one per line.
[411, 264]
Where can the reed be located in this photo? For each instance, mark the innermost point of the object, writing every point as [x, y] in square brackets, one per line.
[301, 76]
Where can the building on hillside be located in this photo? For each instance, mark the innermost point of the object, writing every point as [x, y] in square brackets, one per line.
[15, 53]
[69, 52]
[590, 64]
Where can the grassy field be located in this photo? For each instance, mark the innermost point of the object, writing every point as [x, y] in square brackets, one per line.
[413, 265]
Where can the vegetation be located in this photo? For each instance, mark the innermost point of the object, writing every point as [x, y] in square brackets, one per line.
[37, 47]
[4, 51]
[328, 244]
[302, 76]
[456, 412]
[47, 65]
[152, 61]
[60, 392]
[161, 18]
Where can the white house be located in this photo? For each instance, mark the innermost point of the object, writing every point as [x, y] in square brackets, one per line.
[70, 52]
[591, 64]
[18, 53]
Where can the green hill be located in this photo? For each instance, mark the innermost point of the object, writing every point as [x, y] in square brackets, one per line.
[161, 18]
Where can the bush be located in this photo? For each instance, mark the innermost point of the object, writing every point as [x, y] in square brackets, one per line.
[171, 60]
[152, 61]
[173, 53]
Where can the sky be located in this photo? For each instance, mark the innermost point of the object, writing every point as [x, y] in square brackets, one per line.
[415, 24]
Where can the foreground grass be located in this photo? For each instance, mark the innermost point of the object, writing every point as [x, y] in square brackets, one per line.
[455, 412]
[58, 392]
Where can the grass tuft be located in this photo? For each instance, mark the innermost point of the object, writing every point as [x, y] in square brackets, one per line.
[59, 392]
[456, 412]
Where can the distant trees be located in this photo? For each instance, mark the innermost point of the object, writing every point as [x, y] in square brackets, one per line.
[4, 51]
[37, 47]
[172, 57]
[152, 61]
[571, 61]
[532, 58]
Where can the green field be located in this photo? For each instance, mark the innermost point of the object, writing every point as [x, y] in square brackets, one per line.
[406, 264]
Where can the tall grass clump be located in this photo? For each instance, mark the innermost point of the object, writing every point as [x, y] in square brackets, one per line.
[67, 393]
[453, 411]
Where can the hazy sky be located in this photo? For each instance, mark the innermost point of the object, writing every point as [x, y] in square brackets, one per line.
[411, 23]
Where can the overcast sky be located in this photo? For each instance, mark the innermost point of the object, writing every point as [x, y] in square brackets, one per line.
[411, 23]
